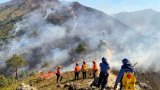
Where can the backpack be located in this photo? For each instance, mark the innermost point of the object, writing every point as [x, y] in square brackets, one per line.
[129, 81]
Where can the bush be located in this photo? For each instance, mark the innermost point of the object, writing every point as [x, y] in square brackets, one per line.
[23, 74]
[81, 48]
[45, 65]
[32, 74]
[3, 81]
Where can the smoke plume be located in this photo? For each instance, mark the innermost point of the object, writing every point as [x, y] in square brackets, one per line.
[51, 33]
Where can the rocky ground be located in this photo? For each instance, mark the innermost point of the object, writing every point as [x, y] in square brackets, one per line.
[68, 83]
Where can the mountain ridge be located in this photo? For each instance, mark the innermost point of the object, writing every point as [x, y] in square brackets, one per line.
[143, 20]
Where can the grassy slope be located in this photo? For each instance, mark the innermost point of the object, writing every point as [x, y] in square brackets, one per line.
[10, 15]
[68, 77]
[50, 84]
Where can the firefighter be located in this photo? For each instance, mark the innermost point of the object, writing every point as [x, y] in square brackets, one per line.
[103, 77]
[58, 74]
[84, 69]
[77, 71]
[126, 76]
[94, 69]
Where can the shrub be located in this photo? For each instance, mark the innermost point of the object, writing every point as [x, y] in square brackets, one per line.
[3, 81]
[81, 48]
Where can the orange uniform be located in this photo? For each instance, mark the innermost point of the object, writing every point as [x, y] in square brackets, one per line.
[94, 67]
[77, 68]
[84, 69]
[77, 71]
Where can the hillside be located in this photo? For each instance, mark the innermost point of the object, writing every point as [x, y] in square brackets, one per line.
[143, 20]
[12, 12]
[42, 23]
[68, 79]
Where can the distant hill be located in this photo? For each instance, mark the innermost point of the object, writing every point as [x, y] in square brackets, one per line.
[144, 20]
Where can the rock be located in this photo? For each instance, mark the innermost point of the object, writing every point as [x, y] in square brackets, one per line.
[95, 82]
[66, 85]
[88, 88]
[108, 88]
[73, 86]
[60, 86]
[144, 86]
[25, 87]
[93, 87]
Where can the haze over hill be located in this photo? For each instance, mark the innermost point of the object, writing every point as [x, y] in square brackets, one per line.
[50, 31]
[144, 21]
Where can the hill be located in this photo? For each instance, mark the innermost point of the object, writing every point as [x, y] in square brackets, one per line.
[48, 33]
[143, 21]
[39, 24]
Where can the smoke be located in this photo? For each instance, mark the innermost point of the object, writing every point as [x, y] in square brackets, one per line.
[74, 19]
[52, 33]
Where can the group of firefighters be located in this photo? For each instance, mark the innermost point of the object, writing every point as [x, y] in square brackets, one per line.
[84, 70]
[126, 76]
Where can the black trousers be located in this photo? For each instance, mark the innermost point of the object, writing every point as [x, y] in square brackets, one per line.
[76, 75]
[59, 78]
[103, 79]
[84, 74]
[121, 85]
[94, 73]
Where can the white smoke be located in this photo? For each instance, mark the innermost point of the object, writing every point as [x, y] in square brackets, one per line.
[40, 40]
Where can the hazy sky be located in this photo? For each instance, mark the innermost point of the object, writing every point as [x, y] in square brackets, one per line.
[2, 1]
[114, 6]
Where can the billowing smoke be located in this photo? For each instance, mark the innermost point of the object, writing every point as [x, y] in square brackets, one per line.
[50, 34]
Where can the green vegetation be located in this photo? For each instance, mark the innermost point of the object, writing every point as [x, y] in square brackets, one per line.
[6, 81]
[45, 64]
[16, 62]
[82, 47]
[3, 81]
[47, 84]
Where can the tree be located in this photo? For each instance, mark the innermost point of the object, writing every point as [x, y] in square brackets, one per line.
[16, 62]
[81, 48]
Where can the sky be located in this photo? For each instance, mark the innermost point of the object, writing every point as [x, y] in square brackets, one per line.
[115, 6]
[3, 1]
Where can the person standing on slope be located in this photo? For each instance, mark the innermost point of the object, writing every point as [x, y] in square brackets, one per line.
[94, 69]
[103, 77]
[126, 76]
[84, 69]
[58, 74]
[77, 71]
